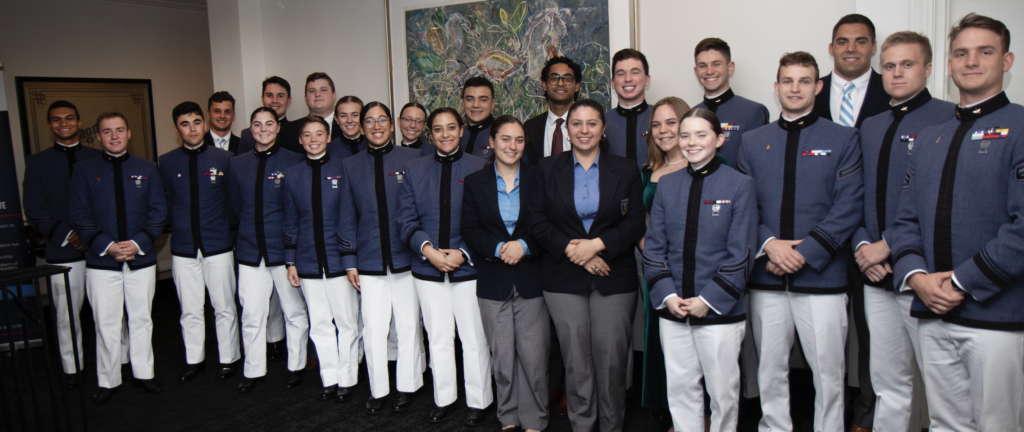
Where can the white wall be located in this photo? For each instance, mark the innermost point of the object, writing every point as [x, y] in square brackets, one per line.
[92, 39]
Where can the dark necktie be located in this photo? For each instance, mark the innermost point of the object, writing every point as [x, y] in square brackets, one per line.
[556, 138]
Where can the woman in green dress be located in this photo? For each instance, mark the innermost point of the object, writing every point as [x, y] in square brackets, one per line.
[665, 156]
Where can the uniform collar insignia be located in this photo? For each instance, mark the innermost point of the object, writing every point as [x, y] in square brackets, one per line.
[269, 152]
[482, 125]
[321, 161]
[706, 170]
[721, 99]
[912, 104]
[639, 109]
[454, 156]
[351, 142]
[982, 109]
[382, 150]
[799, 123]
[199, 149]
[111, 158]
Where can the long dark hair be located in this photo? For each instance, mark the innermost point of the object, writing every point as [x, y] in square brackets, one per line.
[596, 106]
[496, 126]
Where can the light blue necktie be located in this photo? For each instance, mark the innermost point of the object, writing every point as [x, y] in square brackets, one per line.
[846, 115]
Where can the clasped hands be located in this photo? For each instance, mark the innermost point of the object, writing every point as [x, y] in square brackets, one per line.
[445, 260]
[871, 258]
[681, 308]
[936, 290]
[123, 251]
[586, 253]
[783, 258]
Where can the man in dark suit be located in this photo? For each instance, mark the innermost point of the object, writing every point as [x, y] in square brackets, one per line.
[320, 97]
[850, 94]
[221, 109]
[277, 95]
[560, 79]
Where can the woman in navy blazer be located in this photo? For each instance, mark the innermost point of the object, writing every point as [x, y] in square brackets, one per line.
[508, 288]
[586, 211]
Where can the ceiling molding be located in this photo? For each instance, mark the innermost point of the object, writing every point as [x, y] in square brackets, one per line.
[189, 5]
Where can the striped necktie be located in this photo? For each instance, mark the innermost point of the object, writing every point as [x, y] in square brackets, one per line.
[846, 115]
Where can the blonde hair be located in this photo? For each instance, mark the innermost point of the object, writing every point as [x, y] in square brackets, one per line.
[909, 37]
[655, 155]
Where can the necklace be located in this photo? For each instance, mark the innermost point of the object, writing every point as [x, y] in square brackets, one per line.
[673, 163]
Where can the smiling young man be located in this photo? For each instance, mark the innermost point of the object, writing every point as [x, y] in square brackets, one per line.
[957, 241]
[853, 91]
[714, 68]
[46, 188]
[118, 208]
[798, 285]
[478, 105]
[627, 123]
[276, 95]
[221, 109]
[199, 212]
[320, 97]
[546, 134]
[887, 142]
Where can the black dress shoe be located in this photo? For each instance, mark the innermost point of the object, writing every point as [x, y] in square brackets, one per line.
[402, 401]
[374, 405]
[345, 394]
[294, 379]
[276, 351]
[440, 413]
[191, 372]
[71, 380]
[102, 395]
[329, 393]
[476, 416]
[149, 385]
[226, 371]
[247, 384]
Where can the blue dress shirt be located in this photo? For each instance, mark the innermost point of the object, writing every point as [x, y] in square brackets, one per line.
[586, 191]
[508, 207]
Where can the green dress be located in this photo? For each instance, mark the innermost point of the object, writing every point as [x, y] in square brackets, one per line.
[654, 393]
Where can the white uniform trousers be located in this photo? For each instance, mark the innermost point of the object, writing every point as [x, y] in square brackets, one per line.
[893, 350]
[276, 317]
[77, 290]
[821, 323]
[193, 277]
[973, 378]
[390, 302]
[447, 306]
[337, 343]
[110, 294]
[255, 286]
[709, 351]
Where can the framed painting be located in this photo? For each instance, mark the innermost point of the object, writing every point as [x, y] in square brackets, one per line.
[92, 96]
[434, 47]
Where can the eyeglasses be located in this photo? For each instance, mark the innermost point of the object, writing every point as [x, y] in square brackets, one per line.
[416, 122]
[384, 121]
[567, 79]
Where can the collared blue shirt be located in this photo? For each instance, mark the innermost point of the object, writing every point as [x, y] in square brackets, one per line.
[508, 207]
[586, 191]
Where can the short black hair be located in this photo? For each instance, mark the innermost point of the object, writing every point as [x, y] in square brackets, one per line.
[279, 81]
[62, 104]
[630, 53]
[854, 19]
[477, 81]
[577, 71]
[220, 97]
[186, 108]
[367, 107]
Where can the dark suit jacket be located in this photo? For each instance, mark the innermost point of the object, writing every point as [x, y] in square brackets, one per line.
[876, 100]
[619, 223]
[534, 129]
[335, 129]
[483, 228]
[233, 144]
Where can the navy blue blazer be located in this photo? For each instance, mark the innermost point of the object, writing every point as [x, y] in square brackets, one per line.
[619, 223]
[312, 198]
[701, 241]
[45, 190]
[483, 228]
[962, 210]
[118, 198]
[257, 197]
[876, 100]
[476, 139]
[429, 182]
[369, 238]
[199, 204]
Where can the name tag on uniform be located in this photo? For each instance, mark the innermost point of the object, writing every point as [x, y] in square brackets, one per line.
[816, 153]
[716, 205]
[213, 173]
[276, 177]
[334, 181]
[990, 134]
[138, 180]
[909, 139]
[397, 174]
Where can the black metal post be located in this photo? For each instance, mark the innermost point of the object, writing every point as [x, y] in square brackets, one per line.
[74, 347]
[28, 360]
[14, 358]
